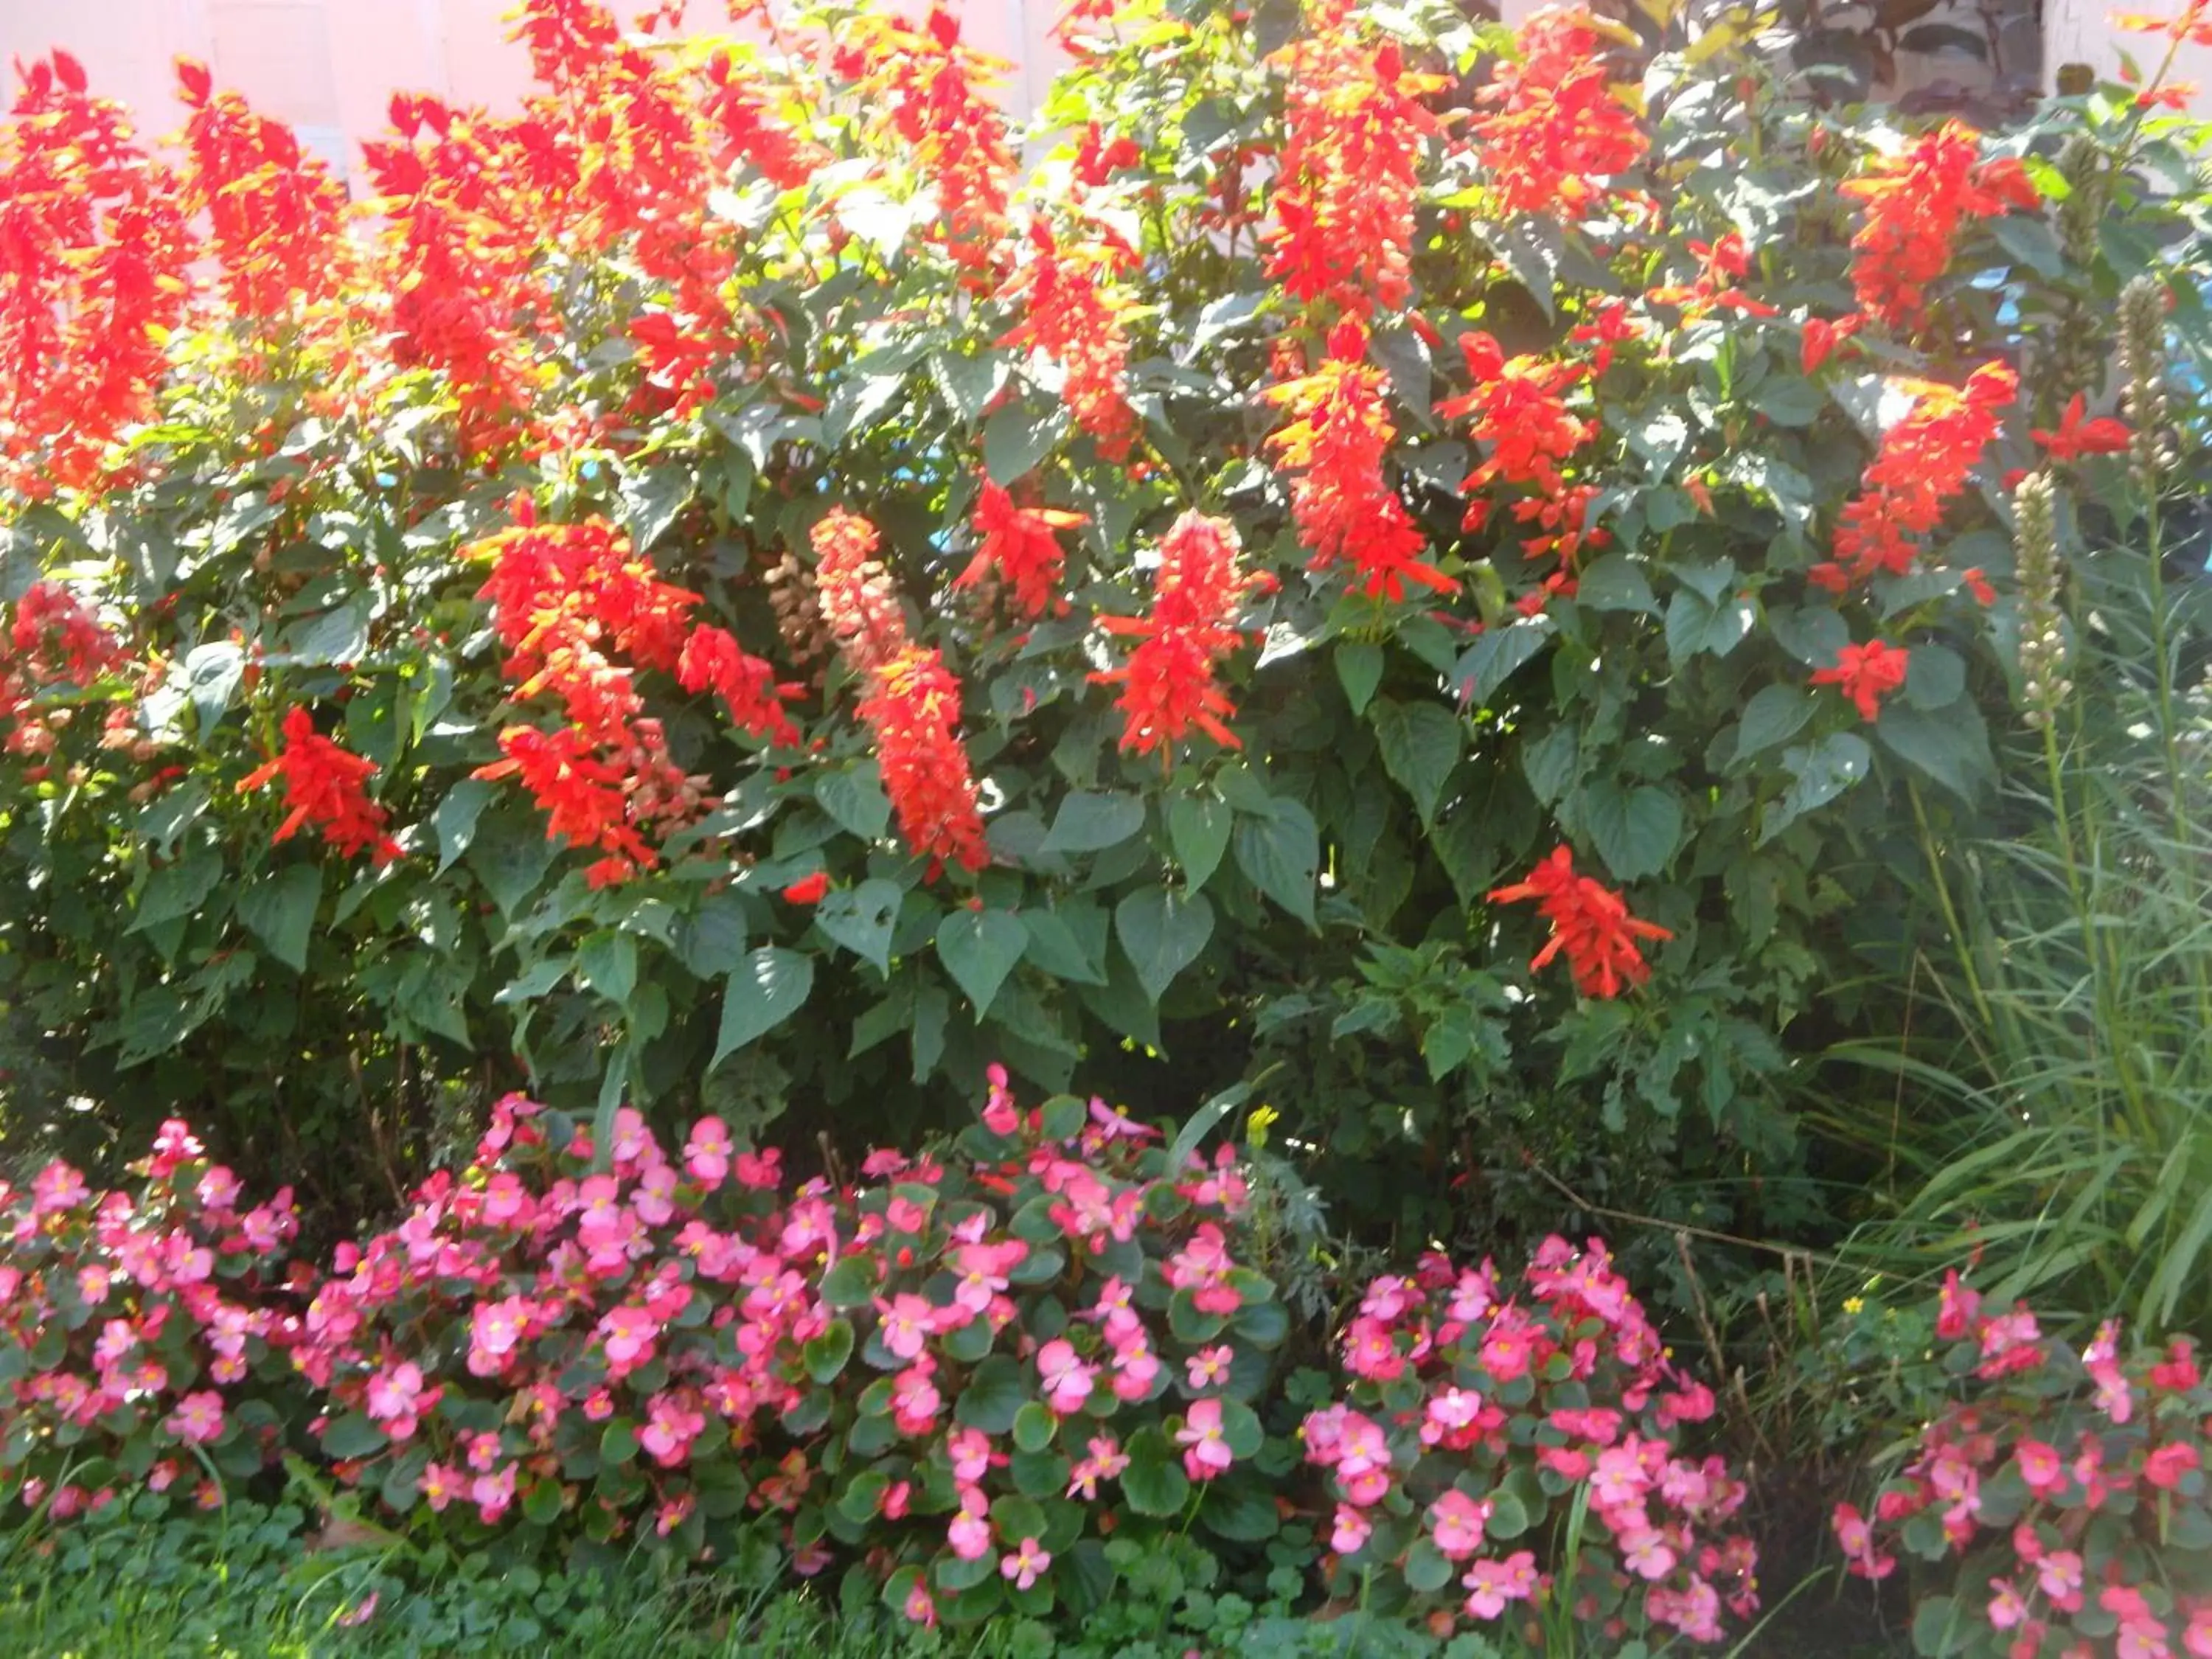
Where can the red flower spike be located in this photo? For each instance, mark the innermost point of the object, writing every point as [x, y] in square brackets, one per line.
[1075, 319]
[1019, 547]
[1866, 674]
[1590, 925]
[323, 786]
[1350, 171]
[1924, 460]
[1915, 203]
[913, 707]
[1167, 685]
[1346, 509]
[1549, 127]
[2076, 437]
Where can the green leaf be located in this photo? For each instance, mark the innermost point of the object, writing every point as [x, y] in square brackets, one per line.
[1017, 438]
[606, 964]
[280, 911]
[211, 675]
[1163, 934]
[1935, 677]
[1056, 947]
[511, 862]
[1034, 1427]
[1634, 830]
[1420, 744]
[353, 1436]
[339, 634]
[2031, 241]
[767, 987]
[1280, 853]
[1488, 663]
[1951, 745]
[1240, 1506]
[1789, 399]
[1939, 1627]
[978, 949]
[1090, 822]
[993, 1395]
[855, 798]
[652, 501]
[1812, 633]
[176, 890]
[455, 819]
[826, 1354]
[1154, 1482]
[618, 1443]
[1359, 670]
[1819, 773]
[1696, 625]
[712, 942]
[862, 918]
[1616, 583]
[1775, 715]
[851, 1283]
[1427, 1571]
[1198, 830]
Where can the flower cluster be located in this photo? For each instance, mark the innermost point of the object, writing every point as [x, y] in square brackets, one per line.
[562, 598]
[1474, 1410]
[1915, 202]
[138, 1335]
[1590, 925]
[1344, 208]
[325, 785]
[1924, 461]
[1017, 548]
[1347, 511]
[1866, 674]
[1168, 685]
[1518, 407]
[2063, 1495]
[1551, 127]
[1072, 315]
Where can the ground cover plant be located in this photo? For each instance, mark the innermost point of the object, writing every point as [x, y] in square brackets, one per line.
[1456, 610]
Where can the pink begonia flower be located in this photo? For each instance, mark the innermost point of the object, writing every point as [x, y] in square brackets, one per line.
[218, 1189]
[919, 1607]
[1136, 1367]
[1106, 1461]
[1448, 1412]
[1456, 1523]
[57, 1187]
[2059, 1573]
[1647, 1554]
[395, 1398]
[1492, 1585]
[1114, 1123]
[1856, 1538]
[707, 1153]
[983, 1271]
[441, 1486]
[2011, 1343]
[672, 1514]
[970, 1534]
[671, 1424]
[2101, 1360]
[1000, 1115]
[628, 1334]
[361, 1613]
[1023, 1565]
[1351, 1532]
[1206, 1452]
[2040, 1467]
[1957, 1307]
[969, 1450]
[1370, 1351]
[493, 1493]
[1209, 1367]
[197, 1419]
[1067, 1380]
[2196, 1637]
[907, 1321]
[2164, 1468]
[655, 1197]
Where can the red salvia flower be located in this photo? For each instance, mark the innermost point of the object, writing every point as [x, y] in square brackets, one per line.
[1074, 319]
[2192, 23]
[1518, 407]
[1866, 674]
[1821, 340]
[275, 215]
[1915, 203]
[94, 261]
[714, 660]
[1924, 461]
[1339, 434]
[1350, 172]
[1722, 264]
[855, 592]
[1551, 125]
[912, 707]
[1168, 685]
[323, 786]
[929, 86]
[1590, 924]
[808, 890]
[2076, 437]
[745, 128]
[581, 794]
[1020, 548]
